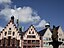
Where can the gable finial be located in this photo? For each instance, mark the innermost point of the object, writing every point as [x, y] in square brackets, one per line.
[12, 19]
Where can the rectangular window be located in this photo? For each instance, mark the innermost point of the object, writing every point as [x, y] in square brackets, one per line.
[25, 41]
[9, 32]
[29, 41]
[37, 41]
[33, 41]
[31, 36]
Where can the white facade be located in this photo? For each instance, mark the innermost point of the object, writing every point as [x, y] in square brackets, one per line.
[10, 30]
[47, 38]
[61, 37]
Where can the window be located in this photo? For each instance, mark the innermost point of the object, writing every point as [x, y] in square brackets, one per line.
[37, 41]
[33, 32]
[25, 41]
[9, 32]
[5, 33]
[49, 38]
[9, 28]
[46, 38]
[29, 32]
[13, 33]
[4, 41]
[59, 38]
[28, 36]
[62, 39]
[24, 46]
[33, 37]
[9, 39]
[13, 42]
[18, 43]
[33, 47]
[33, 41]
[29, 41]
[46, 43]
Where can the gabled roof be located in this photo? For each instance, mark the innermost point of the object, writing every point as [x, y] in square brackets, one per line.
[22, 33]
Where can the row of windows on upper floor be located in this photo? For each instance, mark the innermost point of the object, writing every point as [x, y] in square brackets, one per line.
[9, 33]
[47, 39]
[61, 39]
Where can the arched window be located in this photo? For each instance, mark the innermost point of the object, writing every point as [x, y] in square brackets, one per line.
[29, 32]
[13, 33]
[5, 33]
[33, 32]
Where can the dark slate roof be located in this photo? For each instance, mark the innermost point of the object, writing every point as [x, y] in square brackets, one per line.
[42, 32]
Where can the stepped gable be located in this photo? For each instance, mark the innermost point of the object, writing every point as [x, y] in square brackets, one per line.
[11, 21]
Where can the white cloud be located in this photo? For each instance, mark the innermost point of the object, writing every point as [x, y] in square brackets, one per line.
[5, 1]
[25, 14]
[1, 28]
[41, 24]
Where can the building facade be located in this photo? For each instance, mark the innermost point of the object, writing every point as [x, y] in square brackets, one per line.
[12, 37]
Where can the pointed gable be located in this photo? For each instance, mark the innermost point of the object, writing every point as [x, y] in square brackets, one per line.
[31, 33]
[47, 33]
[60, 32]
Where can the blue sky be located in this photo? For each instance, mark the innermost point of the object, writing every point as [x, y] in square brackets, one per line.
[45, 10]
